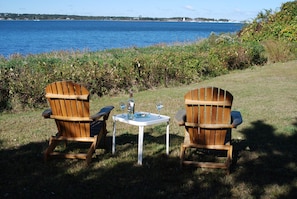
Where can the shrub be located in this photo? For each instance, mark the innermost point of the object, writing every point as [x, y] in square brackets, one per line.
[280, 51]
[234, 54]
[273, 26]
[5, 103]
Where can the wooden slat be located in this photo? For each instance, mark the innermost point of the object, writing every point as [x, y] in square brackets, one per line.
[75, 139]
[72, 119]
[57, 109]
[79, 132]
[69, 126]
[65, 96]
[70, 155]
[83, 110]
[207, 103]
[65, 126]
[73, 110]
[54, 104]
[207, 164]
[209, 126]
[210, 146]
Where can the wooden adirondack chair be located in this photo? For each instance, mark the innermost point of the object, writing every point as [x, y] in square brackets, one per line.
[70, 109]
[207, 120]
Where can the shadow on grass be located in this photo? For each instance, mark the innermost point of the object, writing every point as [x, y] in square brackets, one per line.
[263, 160]
[267, 161]
[27, 176]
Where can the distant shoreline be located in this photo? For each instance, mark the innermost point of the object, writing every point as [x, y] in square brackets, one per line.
[46, 17]
[143, 21]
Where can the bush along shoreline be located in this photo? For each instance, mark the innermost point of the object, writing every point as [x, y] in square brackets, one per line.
[110, 72]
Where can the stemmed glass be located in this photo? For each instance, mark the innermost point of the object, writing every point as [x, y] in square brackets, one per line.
[159, 106]
[122, 106]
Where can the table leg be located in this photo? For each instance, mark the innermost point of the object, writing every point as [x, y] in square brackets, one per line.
[113, 137]
[167, 138]
[140, 144]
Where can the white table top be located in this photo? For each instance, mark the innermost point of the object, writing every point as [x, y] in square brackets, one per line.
[142, 118]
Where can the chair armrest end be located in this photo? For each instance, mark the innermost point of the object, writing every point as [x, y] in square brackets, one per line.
[236, 118]
[180, 117]
[47, 113]
[104, 112]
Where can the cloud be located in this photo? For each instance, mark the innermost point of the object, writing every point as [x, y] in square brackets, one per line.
[188, 7]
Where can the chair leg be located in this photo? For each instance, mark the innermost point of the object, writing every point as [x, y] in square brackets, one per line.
[101, 135]
[93, 147]
[182, 154]
[104, 133]
[229, 158]
[91, 151]
[50, 148]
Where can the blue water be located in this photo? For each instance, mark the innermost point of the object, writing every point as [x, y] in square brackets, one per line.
[33, 37]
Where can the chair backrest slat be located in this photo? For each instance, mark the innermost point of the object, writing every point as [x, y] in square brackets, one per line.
[70, 100]
[208, 115]
[59, 96]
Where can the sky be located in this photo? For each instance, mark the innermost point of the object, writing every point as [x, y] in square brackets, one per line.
[216, 9]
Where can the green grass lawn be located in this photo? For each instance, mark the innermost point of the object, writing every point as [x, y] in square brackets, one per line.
[265, 154]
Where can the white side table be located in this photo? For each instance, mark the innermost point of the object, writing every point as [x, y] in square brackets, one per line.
[141, 120]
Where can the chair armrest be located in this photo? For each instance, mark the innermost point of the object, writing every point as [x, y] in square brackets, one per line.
[47, 113]
[236, 118]
[180, 117]
[104, 112]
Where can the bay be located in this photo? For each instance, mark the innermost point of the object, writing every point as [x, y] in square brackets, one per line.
[34, 37]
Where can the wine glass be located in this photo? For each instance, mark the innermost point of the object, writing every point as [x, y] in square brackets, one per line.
[122, 106]
[159, 106]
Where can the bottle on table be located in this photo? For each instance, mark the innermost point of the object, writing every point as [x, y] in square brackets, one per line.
[131, 107]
